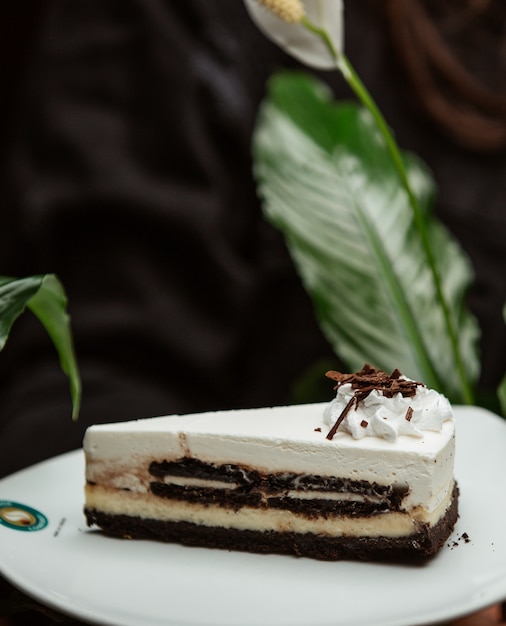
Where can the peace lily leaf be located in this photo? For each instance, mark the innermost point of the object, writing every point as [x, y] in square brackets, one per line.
[502, 395]
[14, 295]
[45, 297]
[501, 392]
[296, 39]
[329, 185]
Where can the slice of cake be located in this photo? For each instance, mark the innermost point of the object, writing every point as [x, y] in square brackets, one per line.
[368, 476]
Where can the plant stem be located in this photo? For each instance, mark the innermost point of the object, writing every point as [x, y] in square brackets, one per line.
[353, 80]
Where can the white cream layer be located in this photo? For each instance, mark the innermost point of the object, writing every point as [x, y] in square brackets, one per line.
[280, 439]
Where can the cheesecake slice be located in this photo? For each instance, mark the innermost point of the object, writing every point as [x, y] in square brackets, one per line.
[368, 475]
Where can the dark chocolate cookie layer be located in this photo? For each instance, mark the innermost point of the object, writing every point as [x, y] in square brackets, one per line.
[251, 488]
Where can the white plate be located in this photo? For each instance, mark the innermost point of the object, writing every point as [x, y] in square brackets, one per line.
[134, 583]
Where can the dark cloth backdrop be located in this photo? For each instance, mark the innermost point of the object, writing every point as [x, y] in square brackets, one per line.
[126, 170]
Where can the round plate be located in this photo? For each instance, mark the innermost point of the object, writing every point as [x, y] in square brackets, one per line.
[48, 552]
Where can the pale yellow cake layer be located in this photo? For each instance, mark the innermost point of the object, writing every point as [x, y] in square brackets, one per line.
[389, 524]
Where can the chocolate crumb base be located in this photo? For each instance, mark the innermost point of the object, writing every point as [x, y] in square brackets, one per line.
[425, 543]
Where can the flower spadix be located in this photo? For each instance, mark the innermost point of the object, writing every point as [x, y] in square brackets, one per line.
[292, 24]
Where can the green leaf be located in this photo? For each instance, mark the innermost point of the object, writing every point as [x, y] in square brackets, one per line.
[45, 297]
[501, 392]
[328, 183]
[14, 296]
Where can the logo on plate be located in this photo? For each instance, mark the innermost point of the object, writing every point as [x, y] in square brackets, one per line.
[21, 517]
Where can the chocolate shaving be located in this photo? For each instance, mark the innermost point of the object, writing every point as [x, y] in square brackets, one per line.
[344, 413]
[409, 413]
[369, 379]
[364, 424]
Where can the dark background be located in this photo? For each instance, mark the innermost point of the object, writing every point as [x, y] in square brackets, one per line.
[126, 170]
[125, 128]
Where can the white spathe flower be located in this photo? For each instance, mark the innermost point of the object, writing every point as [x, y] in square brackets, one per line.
[297, 39]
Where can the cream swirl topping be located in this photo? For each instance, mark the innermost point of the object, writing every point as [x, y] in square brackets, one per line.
[373, 404]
